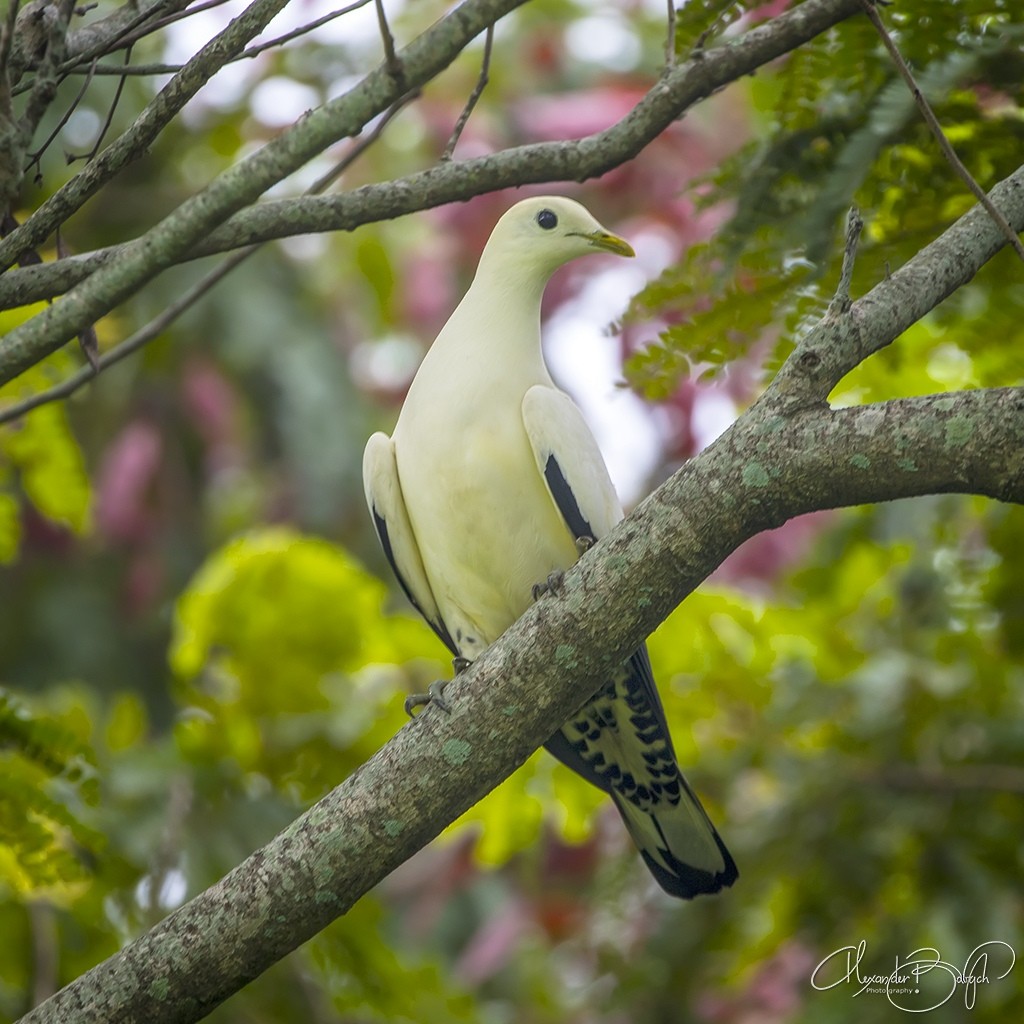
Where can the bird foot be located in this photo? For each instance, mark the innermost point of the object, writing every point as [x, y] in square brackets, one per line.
[555, 581]
[435, 691]
[584, 544]
[552, 585]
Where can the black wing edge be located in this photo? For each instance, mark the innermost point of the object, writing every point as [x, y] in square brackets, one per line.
[565, 500]
[683, 880]
[381, 526]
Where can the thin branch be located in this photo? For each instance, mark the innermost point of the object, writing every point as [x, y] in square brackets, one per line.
[259, 48]
[361, 146]
[34, 158]
[100, 37]
[391, 61]
[840, 303]
[574, 160]
[474, 96]
[146, 70]
[132, 36]
[240, 185]
[936, 129]
[132, 70]
[91, 155]
[134, 142]
[670, 36]
[132, 344]
[106, 35]
[159, 324]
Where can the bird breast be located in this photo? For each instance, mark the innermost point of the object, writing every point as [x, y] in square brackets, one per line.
[485, 525]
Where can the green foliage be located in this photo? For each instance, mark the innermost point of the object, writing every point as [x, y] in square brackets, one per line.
[40, 460]
[46, 782]
[854, 729]
[841, 128]
[697, 23]
[359, 965]
[291, 669]
[287, 660]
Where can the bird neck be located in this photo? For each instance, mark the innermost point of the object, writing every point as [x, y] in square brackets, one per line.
[501, 312]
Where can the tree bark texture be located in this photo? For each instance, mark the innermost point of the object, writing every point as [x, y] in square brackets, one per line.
[788, 454]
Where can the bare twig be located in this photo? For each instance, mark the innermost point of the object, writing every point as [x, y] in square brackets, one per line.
[253, 51]
[141, 337]
[936, 129]
[134, 34]
[134, 70]
[144, 70]
[361, 146]
[723, 18]
[34, 158]
[125, 35]
[474, 96]
[391, 61]
[160, 323]
[841, 300]
[670, 40]
[91, 155]
[146, 127]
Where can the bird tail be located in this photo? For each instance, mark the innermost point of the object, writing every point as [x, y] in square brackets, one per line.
[679, 844]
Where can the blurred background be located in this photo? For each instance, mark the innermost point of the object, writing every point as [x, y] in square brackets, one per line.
[199, 636]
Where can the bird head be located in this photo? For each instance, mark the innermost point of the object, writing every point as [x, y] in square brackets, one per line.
[542, 233]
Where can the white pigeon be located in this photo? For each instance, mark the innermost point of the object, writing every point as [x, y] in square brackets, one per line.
[492, 482]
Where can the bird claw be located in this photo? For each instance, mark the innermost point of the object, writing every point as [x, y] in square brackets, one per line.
[435, 691]
[434, 695]
[556, 580]
[552, 585]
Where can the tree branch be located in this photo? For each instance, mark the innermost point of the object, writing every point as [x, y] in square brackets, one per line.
[841, 341]
[575, 160]
[757, 475]
[780, 459]
[134, 142]
[242, 184]
[935, 128]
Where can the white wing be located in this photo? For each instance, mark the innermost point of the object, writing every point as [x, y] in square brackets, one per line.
[394, 530]
[570, 462]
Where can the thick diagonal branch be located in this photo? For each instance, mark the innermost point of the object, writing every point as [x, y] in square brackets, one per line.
[756, 476]
[779, 460]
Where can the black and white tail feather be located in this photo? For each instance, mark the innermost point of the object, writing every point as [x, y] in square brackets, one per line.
[620, 742]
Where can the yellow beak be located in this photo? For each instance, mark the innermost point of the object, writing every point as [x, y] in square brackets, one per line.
[610, 243]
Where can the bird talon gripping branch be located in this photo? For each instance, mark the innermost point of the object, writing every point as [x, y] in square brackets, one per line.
[584, 544]
[552, 585]
[484, 419]
[434, 696]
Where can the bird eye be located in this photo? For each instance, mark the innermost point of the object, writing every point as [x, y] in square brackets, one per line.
[547, 219]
